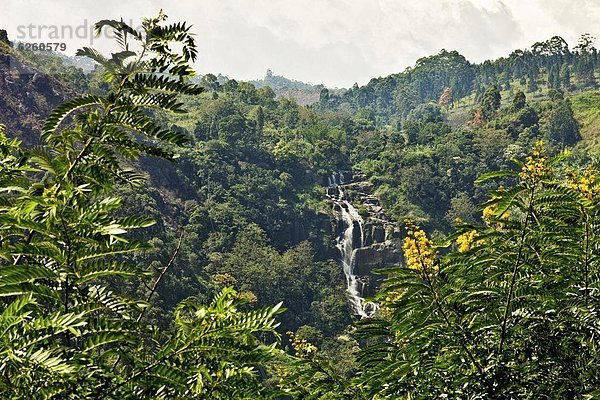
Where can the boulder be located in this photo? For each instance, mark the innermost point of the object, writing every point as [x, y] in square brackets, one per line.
[392, 232]
[333, 191]
[380, 255]
[362, 187]
[378, 234]
[371, 200]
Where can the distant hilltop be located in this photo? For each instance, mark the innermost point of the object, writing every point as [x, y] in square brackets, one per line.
[304, 93]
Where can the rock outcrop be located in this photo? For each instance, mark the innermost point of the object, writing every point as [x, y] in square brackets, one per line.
[27, 96]
[381, 241]
[4, 37]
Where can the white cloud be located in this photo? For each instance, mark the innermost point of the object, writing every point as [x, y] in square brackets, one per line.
[336, 42]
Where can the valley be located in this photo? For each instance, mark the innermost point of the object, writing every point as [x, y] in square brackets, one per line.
[430, 234]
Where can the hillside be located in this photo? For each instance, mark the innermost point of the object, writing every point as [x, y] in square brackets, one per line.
[162, 216]
[27, 95]
[548, 64]
[276, 153]
[587, 111]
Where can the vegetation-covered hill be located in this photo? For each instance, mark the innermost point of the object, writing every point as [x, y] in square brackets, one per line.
[236, 187]
[28, 95]
[304, 93]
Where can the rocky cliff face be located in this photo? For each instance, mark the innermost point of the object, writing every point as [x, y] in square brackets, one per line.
[380, 246]
[26, 95]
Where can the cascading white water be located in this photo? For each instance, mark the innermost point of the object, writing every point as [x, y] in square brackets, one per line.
[347, 242]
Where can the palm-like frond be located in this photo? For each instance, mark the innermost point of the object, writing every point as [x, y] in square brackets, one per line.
[500, 318]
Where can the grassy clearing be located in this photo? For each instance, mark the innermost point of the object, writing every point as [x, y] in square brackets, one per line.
[586, 106]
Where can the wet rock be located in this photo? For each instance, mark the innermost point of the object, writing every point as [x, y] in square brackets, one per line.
[370, 284]
[371, 200]
[391, 232]
[381, 236]
[375, 209]
[333, 191]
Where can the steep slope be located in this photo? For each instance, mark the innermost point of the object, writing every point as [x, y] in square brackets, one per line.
[587, 111]
[26, 95]
[244, 192]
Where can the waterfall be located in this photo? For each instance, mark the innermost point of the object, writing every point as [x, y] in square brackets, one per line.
[350, 239]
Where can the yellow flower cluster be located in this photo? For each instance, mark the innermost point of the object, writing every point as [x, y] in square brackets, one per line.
[489, 213]
[466, 241]
[586, 183]
[536, 166]
[419, 253]
[387, 307]
[302, 348]
[282, 371]
[393, 296]
[50, 192]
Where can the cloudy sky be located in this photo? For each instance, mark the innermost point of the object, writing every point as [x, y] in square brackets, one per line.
[334, 42]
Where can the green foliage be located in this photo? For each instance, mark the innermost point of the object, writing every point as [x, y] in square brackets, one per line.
[316, 374]
[211, 354]
[507, 312]
[519, 100]
[563, 128]
[511, 313]
[586, 107]
[398, 94]
[549, 63]
[64, 332]
[294, 277]
[490, 102]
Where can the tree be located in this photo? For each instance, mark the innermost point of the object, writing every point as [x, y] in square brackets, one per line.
[554, 77]
[260, 120]
[490, 102]
[211, 82]
[565, 77]
[586, 60]
[507, 314]
[478, 118]
[65, 331]
[532, 84]
[519, 100]
[563, 128]
[424, 123]
[461, 209]
[523, 81]
[324, 96]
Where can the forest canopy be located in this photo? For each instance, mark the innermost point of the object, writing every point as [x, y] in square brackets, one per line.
[170, 236]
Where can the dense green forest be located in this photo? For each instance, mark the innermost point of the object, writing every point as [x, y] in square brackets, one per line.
[164, 236]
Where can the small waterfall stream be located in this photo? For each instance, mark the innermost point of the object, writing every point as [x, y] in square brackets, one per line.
[350, 239]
